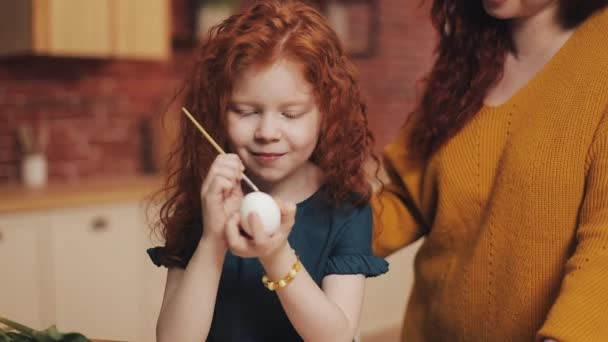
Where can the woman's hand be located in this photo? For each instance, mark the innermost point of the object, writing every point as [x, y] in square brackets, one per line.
[221, 194]
[254, 242]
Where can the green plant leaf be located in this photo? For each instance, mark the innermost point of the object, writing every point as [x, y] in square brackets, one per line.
[19, 327]
[4, 336]
[51, 334]
[40, 336]
[26, 334]
[19, 337]
[74, 337]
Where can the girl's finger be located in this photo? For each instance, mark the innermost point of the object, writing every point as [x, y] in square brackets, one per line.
[288, 215]
[227, 165]
[229, 162]
[235, 240]
[234, 160]
[244, 229]
[256, 228]
[219, 187]
[228, 173]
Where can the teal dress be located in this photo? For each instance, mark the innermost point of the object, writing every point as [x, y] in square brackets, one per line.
[327, 240]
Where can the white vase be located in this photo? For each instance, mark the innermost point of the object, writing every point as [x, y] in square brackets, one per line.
[34, 170]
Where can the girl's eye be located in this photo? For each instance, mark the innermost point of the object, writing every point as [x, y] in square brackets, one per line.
[246, 112]
[292, 115]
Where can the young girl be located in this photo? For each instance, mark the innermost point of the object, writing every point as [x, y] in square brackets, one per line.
[277, 92]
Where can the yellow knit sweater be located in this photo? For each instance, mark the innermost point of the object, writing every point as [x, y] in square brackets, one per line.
[517, 204]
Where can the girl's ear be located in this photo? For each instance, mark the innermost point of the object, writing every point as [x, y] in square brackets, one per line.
[315, 157]
[321, 137]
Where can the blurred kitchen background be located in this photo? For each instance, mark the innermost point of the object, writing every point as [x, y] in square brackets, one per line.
[82, 85]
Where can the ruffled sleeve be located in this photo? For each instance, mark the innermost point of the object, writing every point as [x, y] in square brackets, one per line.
[160, 257]
[352, 250]
[181, 254]
[156, 255]
[368, 265]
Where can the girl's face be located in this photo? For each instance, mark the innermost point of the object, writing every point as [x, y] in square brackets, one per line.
[517, 9]
[273, 122]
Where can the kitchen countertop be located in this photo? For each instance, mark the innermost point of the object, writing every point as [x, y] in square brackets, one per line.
[14, 197]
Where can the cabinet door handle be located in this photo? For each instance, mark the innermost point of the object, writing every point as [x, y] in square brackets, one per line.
[99, 223]
[1, 236]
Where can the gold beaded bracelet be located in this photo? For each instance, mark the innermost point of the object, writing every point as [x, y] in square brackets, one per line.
[276, 285]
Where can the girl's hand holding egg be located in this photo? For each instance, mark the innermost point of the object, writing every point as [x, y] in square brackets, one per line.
[260, 243]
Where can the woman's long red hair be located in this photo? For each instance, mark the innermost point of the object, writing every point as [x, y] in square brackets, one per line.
[469, 60]
[264, 33]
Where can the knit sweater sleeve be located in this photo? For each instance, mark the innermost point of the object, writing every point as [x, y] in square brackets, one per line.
[396, 223]
[579, 312]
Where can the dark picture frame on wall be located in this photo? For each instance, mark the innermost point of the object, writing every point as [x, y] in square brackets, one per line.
[357, 23]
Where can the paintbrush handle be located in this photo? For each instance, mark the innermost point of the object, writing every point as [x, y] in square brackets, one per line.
[214, 144]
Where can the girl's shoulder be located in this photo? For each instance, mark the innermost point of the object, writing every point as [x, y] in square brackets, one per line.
[317, 216]
[351, 213]
[320, 204]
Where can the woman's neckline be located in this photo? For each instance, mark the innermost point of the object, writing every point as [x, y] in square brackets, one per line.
[538, 76]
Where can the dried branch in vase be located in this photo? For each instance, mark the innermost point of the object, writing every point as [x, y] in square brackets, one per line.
[33, 140]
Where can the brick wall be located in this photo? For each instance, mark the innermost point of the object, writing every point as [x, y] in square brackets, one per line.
[389, 79]
[95, 108]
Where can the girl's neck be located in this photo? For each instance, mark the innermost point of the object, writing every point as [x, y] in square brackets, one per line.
[297, 187]
[540, 36]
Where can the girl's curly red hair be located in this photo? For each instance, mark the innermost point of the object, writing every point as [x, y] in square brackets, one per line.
[266, 32]
[469, 59]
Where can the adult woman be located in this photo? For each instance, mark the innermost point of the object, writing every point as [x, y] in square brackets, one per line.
[503, 167]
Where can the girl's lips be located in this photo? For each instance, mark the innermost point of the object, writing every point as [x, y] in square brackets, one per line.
[266, 158]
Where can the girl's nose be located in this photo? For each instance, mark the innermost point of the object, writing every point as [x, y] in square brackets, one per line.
[268, 128]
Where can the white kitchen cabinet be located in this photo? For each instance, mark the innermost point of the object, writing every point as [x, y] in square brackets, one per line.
[82, 268]
[151, 293]
[98, 280]
[24, 269]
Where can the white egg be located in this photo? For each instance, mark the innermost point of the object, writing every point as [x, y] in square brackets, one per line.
[266, 208]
